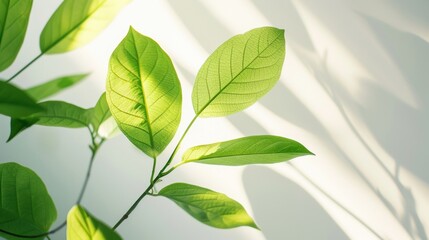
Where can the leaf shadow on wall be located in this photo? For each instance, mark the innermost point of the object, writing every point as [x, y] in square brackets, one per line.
[285, 15]
[409, 53]
[209, 40]
[283, 207]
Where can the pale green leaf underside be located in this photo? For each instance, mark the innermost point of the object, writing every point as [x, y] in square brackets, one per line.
[14, 16]
[144, 93]
[83, 226]
[109, 128]
[61, 114]
[209, 207]
[25, 205]
[248, 150]
[55, 86]
[77, 22]
[239, 72]
[15, 102]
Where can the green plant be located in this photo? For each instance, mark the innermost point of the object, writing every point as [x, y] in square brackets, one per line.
[143, 100]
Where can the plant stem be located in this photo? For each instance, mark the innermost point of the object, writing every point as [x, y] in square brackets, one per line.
[160, 175]
[25, 67]
[94, 149]
[178, 144]
[152, 175]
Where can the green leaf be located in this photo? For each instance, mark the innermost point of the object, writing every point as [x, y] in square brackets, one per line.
[19, 125]
[144, 93]
[53, 87]
[99, 113]
[41, 92]
[247, 150]
[209, 207]
[15, 102]
[61, 114]
[25, 205]
[239, 72]
[77, 22]
[83, 226]
[14, 16]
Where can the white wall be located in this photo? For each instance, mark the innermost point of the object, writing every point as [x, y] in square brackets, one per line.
[354, 90]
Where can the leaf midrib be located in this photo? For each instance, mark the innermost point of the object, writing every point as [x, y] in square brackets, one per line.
[62, 117]
[241, 155]
[4, 21]
[200, 208]
[232, 80]
[146, 110]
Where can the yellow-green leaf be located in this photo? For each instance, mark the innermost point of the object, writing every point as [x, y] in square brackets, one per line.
[144, 93]
[77, 22]
[83, 226]
[248, 150]
[209, 207]
[239, 72]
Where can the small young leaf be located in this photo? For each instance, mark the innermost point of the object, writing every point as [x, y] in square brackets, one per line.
[53, 87]
[61, 114]
[82, 225]
[247, 150]
[144, 93]
[239, 72]
[26, 207]
[209, 207]
[99, 113]
[15, 102]
[14, 16]
[77, 22]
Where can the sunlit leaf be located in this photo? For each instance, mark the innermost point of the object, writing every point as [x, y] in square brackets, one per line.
[144, 93]
[61, 114]
[14, 16]
[247, 150]
[77, 22]
[83, 226]
[55, 86]
[25, 205]
[239, 72]
[209, 207]
[15, 102]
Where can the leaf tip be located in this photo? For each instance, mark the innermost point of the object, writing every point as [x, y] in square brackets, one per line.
[253, 225]
[131, 29]
[9, 138]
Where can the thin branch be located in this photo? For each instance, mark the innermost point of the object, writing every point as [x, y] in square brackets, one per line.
[159, 176]
[25, 67]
